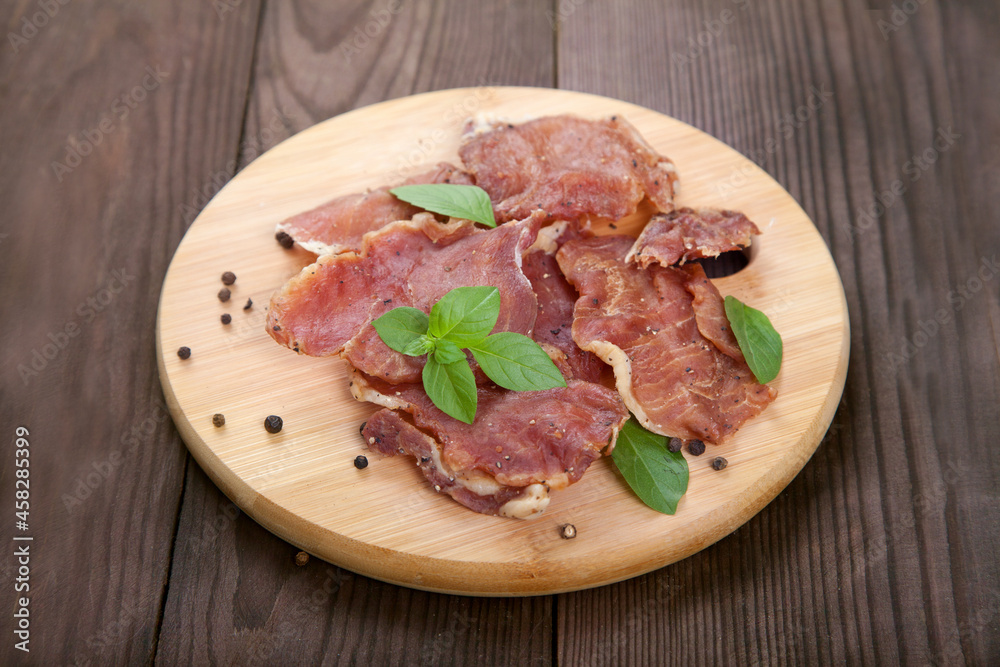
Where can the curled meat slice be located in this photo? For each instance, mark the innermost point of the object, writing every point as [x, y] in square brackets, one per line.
[554, 324]
[521, 444]
[571, 167]
[648, 325]
[328, 308]
[341, 223]
[686, 234]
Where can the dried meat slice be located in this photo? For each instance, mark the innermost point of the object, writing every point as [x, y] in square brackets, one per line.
[571, 167]
[327, 309]
[686, 234]
[645, 323]
[554, 323]
[340, 224]
[521, 445]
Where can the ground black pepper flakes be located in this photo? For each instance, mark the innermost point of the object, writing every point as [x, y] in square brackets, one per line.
[567, 531]
[228, 278]
[284, 240]
[226, 318]
[249, 304]
[301, 558]
[224, 294]
[184, 352]
[273, 423]
[696, 447]
[363, 424]
[218, 420]
[675, 445]
[719, 463]
[360, 461]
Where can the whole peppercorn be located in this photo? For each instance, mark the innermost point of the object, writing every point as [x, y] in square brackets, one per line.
[218, 420]
[273, 424]
[285, 240]
[224, 294]
[360, 462]
[226, 318]
[719, 463]
[228, 278]
[696, 447]
[567, 531]
[675, 445]
[184, 352]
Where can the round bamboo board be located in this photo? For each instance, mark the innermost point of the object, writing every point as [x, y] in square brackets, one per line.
[385, 521]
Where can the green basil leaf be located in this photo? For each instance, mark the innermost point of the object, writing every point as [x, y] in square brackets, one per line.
[452, 388]
[459, 201]
[760, 343]
[401, 326]
[658, 476]
[516, 362]
[419, 346]
[465, 314]
[446, 352]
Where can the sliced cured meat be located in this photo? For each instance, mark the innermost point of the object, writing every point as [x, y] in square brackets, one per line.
[686, 234]
[643, 322]
[327, 309]
[388, 432]
[521, 445]
[340, 224]
[571, 167]
[554, 324]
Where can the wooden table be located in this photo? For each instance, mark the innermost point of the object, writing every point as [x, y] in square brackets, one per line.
[121, 119]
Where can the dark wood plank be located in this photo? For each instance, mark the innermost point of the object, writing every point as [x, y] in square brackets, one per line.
[83, 250]
[239, 598]
[883, 549]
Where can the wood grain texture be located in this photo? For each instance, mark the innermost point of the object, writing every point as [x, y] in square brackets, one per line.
[385, 521]
[871, 554]
[135, 120]
[302, 75]
[882, 551]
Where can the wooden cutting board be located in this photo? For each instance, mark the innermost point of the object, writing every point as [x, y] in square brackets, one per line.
[385, 521]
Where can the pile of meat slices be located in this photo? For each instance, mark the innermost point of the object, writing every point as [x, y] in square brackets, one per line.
[633, 324]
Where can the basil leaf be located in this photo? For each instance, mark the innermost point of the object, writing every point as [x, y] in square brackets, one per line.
[759, 342]
[452, 388]
[446, 352]
[459, 201]
[465, 314]
[516, 362]
[401, 326]
[419, 346]
[658, 476]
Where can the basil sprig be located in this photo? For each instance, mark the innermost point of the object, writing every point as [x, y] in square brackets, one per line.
[658, 476]
[760, 343]
[459, 201]
[463, 318]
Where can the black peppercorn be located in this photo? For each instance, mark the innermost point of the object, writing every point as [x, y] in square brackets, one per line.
[360, 462]
[696, 447]
[273, 424]
[719, 463]
[224, 294]
[675, 445]
[218, 420]
[228, 278]
[248, 305]
[362, 429]
[184, 352]
[226, 318]
[285, 240]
